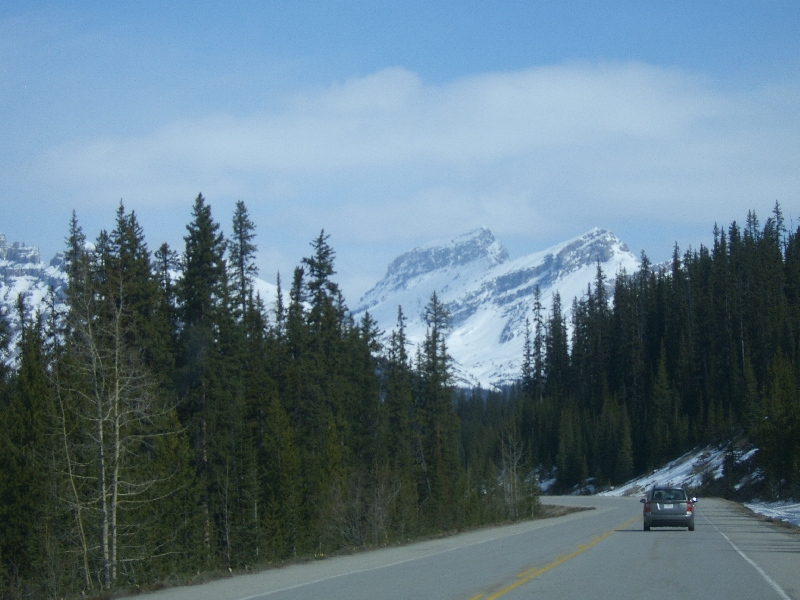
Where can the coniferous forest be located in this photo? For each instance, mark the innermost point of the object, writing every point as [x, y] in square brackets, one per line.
[170, 422]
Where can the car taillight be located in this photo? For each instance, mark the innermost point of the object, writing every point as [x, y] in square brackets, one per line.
[647, 506]
[689, 506]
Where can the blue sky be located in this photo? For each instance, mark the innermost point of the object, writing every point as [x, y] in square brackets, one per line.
[390, 126]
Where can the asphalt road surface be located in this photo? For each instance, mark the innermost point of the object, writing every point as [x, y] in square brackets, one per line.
[594, 554]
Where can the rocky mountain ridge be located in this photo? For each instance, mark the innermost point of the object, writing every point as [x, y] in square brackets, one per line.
[23, 272]
[489, 296]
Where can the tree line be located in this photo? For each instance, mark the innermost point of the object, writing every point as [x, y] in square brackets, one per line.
[702, 350]
[170, 421]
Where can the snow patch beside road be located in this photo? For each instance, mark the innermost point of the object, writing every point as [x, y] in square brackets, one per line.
[690, 470]
[781, 511]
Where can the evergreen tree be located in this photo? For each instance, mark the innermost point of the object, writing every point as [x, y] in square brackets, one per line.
[25, 508]
[557, 353]
[528, 368]
[398, 398]
[778, 430]
[284, 485]
[538, 346]
[325, 388]
[203, 287]
[208, 409]
[128, 264]
[438, 419]
[660, 413]
[242, 253]
[167, 262]
[571, 458]
[76, 259]
[116, 444]
[397, 433]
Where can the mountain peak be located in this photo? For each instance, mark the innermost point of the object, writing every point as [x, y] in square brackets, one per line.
[476, 245]
[489, 296]
[593, 246]
[477, 248]
[22, 273]
[18, 252]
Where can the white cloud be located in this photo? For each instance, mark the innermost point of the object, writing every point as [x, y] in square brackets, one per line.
[544, 150]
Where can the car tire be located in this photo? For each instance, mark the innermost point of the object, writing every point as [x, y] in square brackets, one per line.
[646, 527]
[691, 527]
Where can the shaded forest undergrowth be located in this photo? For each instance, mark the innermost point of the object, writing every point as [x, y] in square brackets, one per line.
[170, 422]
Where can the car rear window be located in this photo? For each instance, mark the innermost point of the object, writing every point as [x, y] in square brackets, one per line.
[669, 495]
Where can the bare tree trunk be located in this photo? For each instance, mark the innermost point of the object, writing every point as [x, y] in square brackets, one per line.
[512, 457]
[206, 515]
[113, 397]
[116, 398]
[101, 481]
[74, 489]
[424, 465]
[226, 516]
[254, 473]
[384, 496]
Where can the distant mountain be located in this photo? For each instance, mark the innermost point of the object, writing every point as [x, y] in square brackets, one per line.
[22, 272]
[488, 295]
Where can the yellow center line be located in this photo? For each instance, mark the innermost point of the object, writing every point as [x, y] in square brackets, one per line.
[526, 576]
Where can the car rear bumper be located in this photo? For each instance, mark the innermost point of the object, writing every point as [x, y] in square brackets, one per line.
[669, 521]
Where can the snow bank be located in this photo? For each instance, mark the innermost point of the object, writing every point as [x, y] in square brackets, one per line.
[692, 467]
[687, 470]
[782, 511]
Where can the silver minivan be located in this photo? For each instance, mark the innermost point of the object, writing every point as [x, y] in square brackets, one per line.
[666, 506]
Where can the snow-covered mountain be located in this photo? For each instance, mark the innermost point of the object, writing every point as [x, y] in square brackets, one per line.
[23, 272]
[488, 295]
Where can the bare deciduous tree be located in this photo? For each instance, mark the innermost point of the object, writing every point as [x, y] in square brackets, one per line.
[512, 457]
[110, 415]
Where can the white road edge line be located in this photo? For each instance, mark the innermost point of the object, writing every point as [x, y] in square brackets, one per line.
[408, 560]
[761, 571]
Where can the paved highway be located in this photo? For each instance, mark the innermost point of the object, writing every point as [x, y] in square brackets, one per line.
[600, 553]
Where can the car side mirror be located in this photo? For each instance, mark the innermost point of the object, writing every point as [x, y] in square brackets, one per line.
[642, 500]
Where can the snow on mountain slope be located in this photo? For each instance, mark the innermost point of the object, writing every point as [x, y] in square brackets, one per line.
[269, 294]
[488, 295]
[22, 272]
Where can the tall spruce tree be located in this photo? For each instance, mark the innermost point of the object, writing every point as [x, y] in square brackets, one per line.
[398, 439]
[557, 363]
[436, 413]
[207, 409]
[25, 500]
[242, 265]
